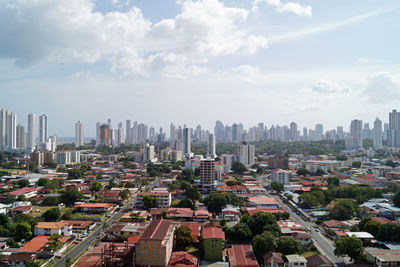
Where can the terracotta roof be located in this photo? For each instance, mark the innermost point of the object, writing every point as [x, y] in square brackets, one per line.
[242, 256]
[317, 260]
[94, 205]
[182, 258]
[382, 220]
[299, 235]
[77, 224]
[134, 239]
[22, 208]
[157, 230]
[21, 257]
[263, 200]
[38, 242]
[50, 225]
[333, 223]
[213, 232]
[23, 191]
[273, 257]
[196, 229]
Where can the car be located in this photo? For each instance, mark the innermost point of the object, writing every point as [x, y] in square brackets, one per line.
[316, 230]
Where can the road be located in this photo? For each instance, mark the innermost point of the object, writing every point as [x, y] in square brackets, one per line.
[325, 246]
[93, 236]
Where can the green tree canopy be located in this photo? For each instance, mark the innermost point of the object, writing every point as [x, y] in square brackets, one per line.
[349, 246]
[96, 186]
[288, 245]
[52, 215]
[264, 243]
[277, 186]
[342, 210]
[149, 202]
[183, 238]
[238, 167]
[23, 230]
[70, 197]
[302, 171]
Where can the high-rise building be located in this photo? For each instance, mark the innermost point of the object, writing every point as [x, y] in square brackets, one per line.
[21, 137]
[319, 131]
[219, 131]
[12, 131]
[43, 129]
[31, 139]
[79, 134]
[305, 134]
[339, 132]
[98, 133]
[394, 129]
[148, 154]
[104, 135]
[3, 129]
[355, 141]
[211, 146]
[128, 132]
[294, 135]
[207, 176]
[247, 154]
[377, 134]
[186, 141]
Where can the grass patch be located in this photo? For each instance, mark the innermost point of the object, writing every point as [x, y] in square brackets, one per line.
[39, 210]
[309, 253]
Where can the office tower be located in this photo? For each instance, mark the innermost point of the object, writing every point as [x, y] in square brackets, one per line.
[104, 135]
[172, 134]
[305, 134]
[339, 132]
[186, 141]
[377, 134]
[98, 133]
[319, 131]
[79, 134]
[394, 129]
[293, 132]
[43, 129]
[355, 141]
[128, 132]
[31, 142]
[207, 176]
[143, 133]
[3, 129]
[12, 131]
[21, 137]
[211, 145]
[246, 154]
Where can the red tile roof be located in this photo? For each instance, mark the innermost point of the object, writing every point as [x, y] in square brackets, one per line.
[242, 256]
[196, 229]
[182, 258]
[38, 242]
[157, 230]
[213, 232]
[382, 220]
[94, 205]
[23, 191]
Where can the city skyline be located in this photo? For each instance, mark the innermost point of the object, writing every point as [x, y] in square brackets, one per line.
[250, 61]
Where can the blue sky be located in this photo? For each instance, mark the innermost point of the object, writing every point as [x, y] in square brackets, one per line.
[193, 62]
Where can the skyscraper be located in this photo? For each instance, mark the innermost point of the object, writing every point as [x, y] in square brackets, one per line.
[3, 129]
[21, 137]
[377, 134]
[186, 141]
[207, 176]
[394, 129]
[12, 131]
[79, 134]
[219, 131]
[128, 132]
[104, 135]
[356, 141]
[319, 131]
[31, 139]
[43, 129]
[211, 145]
[98, 133]
[247, 154]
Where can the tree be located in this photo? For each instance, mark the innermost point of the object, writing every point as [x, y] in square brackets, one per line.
[259, 220]
[390, 163]
[350, 246]
[70, 197]
[31, 263]
[185, 203]
[124, 194]
[149, 202]
[12, 244]
[333, 180]
[277, 186]
[342, 210]
[388, 232]
[187, 175]
[238, 167]
[362, 223]
[22, 198]
[42, 181]
[54, 243]
[23, 183]
[308, 200]
[183, 238]
[129, 185]
[20, 218]
[96, 186]
[356, 164]
[23, 230]
[302, 171]
[193, 194]
[215, 202]
[264, 243]
[52, 215]
[372, 227]
[319, 172]
[396, 199]
[51, 201]
[241, 232]
[67, 215]
[288, 245]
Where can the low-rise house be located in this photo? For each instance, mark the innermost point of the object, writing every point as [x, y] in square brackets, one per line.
[28, 192]
[273, 259]
[382, 257]
[79, 227]
[263, 202]
[95, 208]
[318, 260]
[156, 243]
[40, 243]
[49, 228]
[21, 210]
[202, 215]
[295, 261]
[242, 256]
[18, 259]
[256, 190]
[213, 243]
[231, 213]
[112, 196]
[303, 238]
[333, 224]
[363, 236]
[183, 259]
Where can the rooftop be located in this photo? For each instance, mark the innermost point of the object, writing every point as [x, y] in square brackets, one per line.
[158, 230]
[241, 256]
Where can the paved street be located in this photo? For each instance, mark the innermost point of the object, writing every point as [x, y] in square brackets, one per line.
[93, 236]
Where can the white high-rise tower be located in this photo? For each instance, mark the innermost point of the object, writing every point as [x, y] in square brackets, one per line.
[79, 134]
[211, 146]
[377, 134]
[43, 129]
[12, 131]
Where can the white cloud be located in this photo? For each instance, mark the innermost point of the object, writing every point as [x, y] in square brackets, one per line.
[71, 31]
[382, 88]
[293, 7]
[325, 86]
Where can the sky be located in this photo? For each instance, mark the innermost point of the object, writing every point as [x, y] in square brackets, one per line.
[197, 61]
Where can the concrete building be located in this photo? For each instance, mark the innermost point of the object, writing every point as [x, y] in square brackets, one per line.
[394, 129]
[355, 141]
[378, 134]
[79, 134]
[207, 176]
[156, 243]
[21, 137]
[63, 157]
[49, 228]
[247, 154]
[31, 138]
[211, 151]
[104, 135]
[3, 128]
[43, 129]
[12, 131]
[213, 243]
[280, 176]
[148, 153]
[164, 198]
[187, 141]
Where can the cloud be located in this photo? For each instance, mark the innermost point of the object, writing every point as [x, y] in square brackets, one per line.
[71, 31]
[326, 87]
[293, 7]
[382, 88]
